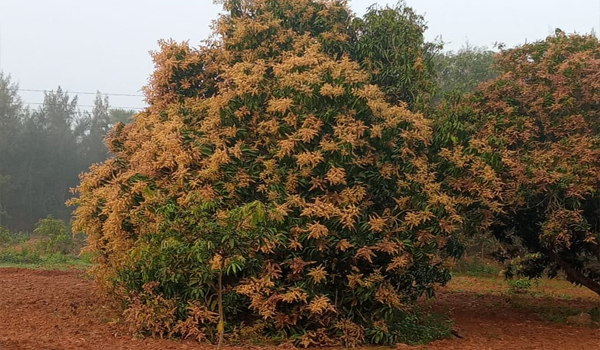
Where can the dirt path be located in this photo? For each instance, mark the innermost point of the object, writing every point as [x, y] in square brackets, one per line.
[48, 310]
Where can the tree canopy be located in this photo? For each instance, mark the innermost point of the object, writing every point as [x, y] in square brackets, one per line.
[389, 42]
[537, 126]
[461, 72]
[271, 182]
[283, 182]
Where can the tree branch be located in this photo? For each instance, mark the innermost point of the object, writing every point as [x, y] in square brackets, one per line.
[573, 275]
[595, 248]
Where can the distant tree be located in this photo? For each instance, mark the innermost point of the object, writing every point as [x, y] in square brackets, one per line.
[460, 72]
[11, 111]
[48, 161]
[92, 129]
[270, 174]
[119, 115]
[389, 42]
[11, 121]
[43, 151]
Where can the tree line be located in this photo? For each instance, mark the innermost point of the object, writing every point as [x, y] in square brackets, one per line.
[43, 150]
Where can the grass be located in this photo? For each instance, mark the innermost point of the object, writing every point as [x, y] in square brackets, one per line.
[45, 265]
[554, 288]
[551, 300]
[49, 246]
[424, 328]
[29, 255]
[546, 308]
[520, 285]
[476, 267]
[50, 264]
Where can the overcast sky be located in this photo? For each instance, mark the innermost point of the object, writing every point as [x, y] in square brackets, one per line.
[86, 46]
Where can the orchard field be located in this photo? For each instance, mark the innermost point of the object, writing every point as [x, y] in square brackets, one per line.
[53, 309]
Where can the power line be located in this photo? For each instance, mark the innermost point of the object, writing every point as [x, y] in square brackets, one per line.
[92, 106]
[85, 93]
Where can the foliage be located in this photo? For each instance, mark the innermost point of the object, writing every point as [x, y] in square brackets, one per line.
[476, 266]
[119, 115]
[55, 236]
[535, 131]
[390, 45]
[21, 256]
[270, 173]
[462, 71]
[42, 151]
[419, 328]
[51, 246]
[5, 236]
[519, 285]
[92, 127]
[10, 120]
[8, 238]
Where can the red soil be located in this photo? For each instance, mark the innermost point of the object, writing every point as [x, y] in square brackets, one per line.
[51, 310]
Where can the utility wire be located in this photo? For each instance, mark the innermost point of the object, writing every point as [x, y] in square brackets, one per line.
[84, 93]
[92, 106]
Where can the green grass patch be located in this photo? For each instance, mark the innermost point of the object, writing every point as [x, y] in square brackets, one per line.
[546, 308]
[12, 258]
[423, 328]
[520, 285]
[476, 267]
[23, 256]
[50, 246]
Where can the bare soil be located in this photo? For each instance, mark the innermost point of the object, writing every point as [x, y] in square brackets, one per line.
[48, 310]
[491, 318]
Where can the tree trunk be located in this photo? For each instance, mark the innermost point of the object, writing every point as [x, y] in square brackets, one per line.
[573, 275]
[221, 326]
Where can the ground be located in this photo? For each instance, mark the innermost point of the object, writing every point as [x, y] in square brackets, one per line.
[48, 310]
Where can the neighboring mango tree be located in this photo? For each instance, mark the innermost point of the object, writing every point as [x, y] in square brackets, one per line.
[270, 185]
[536, 129]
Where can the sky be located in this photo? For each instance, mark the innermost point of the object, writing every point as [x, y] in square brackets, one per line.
[87, 46]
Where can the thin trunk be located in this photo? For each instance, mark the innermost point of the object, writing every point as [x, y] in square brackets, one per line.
[29, 193]
[1, 207]
[595, 248]
[573, 275]
[482, 250]
[221, 326]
